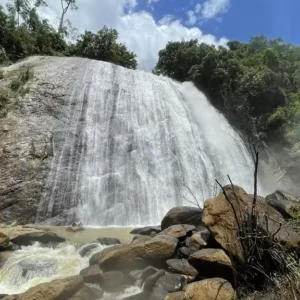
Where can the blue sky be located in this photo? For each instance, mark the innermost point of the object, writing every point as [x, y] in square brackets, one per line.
[241, 20]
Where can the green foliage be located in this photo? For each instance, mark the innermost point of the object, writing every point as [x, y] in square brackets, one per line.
[104, 46]
[262, 77]
[35, 36]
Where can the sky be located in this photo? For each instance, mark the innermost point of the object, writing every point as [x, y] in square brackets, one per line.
[145, 26]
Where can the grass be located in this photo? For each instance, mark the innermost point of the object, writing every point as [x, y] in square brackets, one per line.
[4, 101]
[21, 80]
[10, 97]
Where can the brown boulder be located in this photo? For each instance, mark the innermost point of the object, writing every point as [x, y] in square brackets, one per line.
[4, 240]
[56, 290]
[208, 289]
[24, 236]
[182, 215]
[158, 248]
[111, 281]
[178, 231]
[224, 222]
[88, 293]
[212, 263]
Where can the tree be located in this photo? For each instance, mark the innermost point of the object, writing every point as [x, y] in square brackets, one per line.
[104, 46]
[65, 6]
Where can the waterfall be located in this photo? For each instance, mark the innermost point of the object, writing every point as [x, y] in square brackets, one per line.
[130, 145]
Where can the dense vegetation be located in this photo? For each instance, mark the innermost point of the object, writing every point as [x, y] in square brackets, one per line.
[24, 33]
[260, 78]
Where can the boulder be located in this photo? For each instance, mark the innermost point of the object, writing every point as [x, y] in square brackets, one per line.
[208, 289]
[167, 284]
[140, 238]
[88, 293]
[149, 271]
[108, 241]
[171, 283]
[4, 240]
[151, 280]
[86, 249]
[25, 236]
[224, 222]
[149, 230]
[198, 240]
[286, 204]
[91, 274]
[94, 259]
[212, 263]
[178, 231]
[182, 266]
[55, 290]
[185, 252]
[182, 215]
[111, 281]
[157, 249]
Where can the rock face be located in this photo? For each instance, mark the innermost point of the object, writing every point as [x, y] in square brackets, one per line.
[149, 230]
[182, 266]
[158, 248]
[208, 289]
[25, 236]
[212, 263]
[219, 218]
[26, 144]
[182, 215]
[198, 240]
[4, 240]
[286, 204]
[55, 290]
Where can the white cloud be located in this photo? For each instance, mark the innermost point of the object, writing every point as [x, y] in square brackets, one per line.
[198, 8]
[212, 8]
[138, 29]
[152, 1]
[192, 18]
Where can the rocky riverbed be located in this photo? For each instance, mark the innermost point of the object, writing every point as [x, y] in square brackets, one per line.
[193, 254]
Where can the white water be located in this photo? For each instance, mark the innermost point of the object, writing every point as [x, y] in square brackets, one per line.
[130, 145]
[37, 264]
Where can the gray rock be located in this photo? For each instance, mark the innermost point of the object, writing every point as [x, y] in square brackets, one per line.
[151, 280]
[146, 230]
[171, 283]
[182, 266]
[185, 252]
[112, 281]
[86, 249]
[149, 271]
[91, 274]
[182, 215]
[286, 204]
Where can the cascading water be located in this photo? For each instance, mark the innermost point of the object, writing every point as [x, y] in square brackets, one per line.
[131, 145]
[36, 264]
